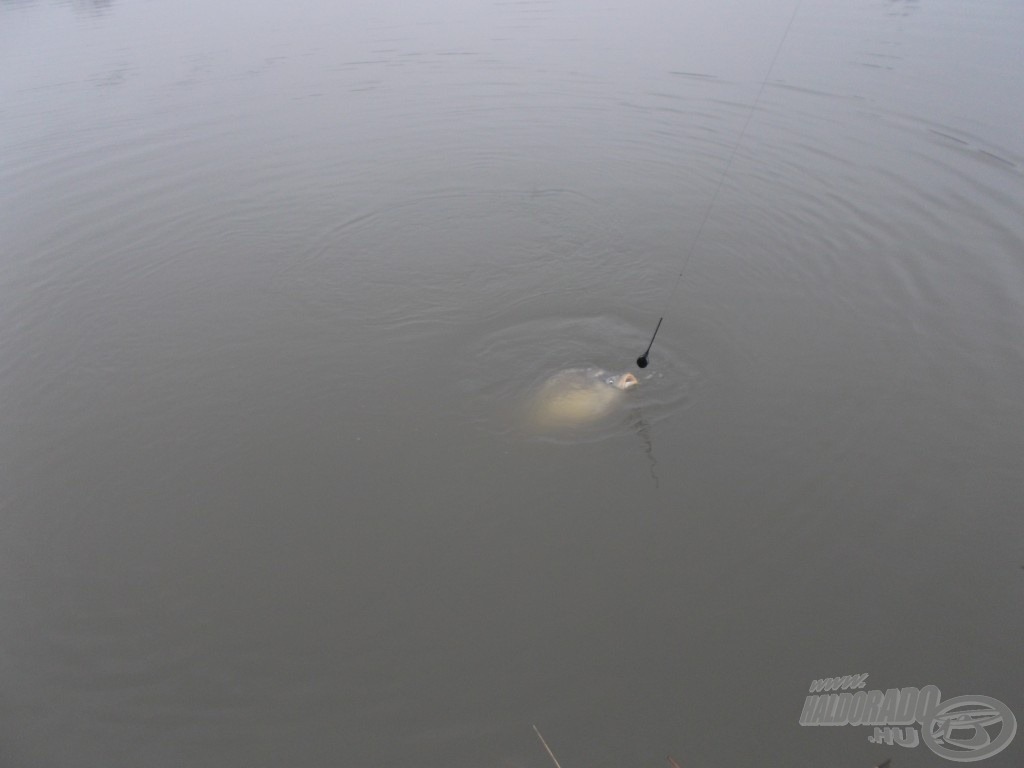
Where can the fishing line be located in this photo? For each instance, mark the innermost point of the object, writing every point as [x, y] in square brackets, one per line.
[642, 360]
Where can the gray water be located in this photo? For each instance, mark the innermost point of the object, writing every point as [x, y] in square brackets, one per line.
[275, 278]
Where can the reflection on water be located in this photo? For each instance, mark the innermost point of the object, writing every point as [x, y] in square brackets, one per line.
[277, 279]
[643, 430]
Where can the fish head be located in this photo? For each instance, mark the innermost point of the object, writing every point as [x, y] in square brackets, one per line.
[626, 381]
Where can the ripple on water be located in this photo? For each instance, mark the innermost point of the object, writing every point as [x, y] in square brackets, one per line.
[507, 367]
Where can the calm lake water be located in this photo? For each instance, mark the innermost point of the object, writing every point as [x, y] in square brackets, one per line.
[275, 281]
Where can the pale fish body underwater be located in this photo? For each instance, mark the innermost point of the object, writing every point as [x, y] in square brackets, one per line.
[576, 397]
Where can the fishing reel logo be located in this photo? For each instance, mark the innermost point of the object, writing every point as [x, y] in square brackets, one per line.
[963, 729]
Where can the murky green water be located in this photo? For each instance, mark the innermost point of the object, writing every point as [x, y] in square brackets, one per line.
[274, 279]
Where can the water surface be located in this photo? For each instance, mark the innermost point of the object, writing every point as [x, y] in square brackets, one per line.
[273, 276]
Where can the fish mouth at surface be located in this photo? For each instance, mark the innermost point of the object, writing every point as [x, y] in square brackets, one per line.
[626, 381]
